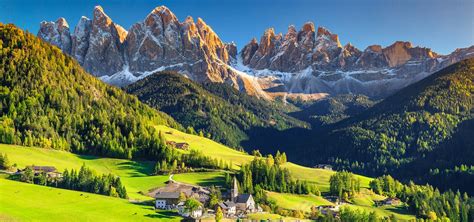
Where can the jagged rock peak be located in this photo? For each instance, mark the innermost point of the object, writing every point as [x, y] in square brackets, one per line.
[374, 48]
[269, 32]
[254, 41]
[291, 33]
[308, 27]
[62, 23]
[56, 33]
[99, 15]
[323, 32]
[165, 13]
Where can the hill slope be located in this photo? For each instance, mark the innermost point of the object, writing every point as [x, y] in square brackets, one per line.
[47, 100]
[28, 202]
[421, 120]
[223, 112]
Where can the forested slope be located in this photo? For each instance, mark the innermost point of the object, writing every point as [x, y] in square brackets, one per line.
[217, 110]
[48, 100]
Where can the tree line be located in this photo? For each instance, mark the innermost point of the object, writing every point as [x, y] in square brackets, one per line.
[268, 174]
[83, 180]
[427, 202]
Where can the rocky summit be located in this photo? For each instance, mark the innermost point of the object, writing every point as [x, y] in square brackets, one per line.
[309, 61]
[159, 42]
[306, 63]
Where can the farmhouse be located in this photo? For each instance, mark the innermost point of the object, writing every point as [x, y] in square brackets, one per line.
[388, 201]
[50, 171]
[323, 166]
[229, 208]
[327, 209]
[166, 200]
[186, 213]
[182, 146]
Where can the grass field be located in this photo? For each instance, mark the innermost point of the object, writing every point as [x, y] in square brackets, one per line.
[28, 202]
[201, 178]
[134, 174]
[365, 201]
[297, 202]
[271, 217]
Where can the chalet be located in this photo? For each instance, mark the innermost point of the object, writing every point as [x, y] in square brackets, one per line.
[166, 200]
[328, 209]
[50, 171]
[323, 166]
[388, 201]
[186, 213]
[182, 146]
[229, 208]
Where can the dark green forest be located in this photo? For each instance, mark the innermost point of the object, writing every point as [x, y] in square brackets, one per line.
[421, 120]
[425, 127]
[215, 110]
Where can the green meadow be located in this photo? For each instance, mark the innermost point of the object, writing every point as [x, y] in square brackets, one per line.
[135, 175]
[28, 202]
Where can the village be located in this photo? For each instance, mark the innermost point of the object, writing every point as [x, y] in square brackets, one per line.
[192, 201]
[173, 197]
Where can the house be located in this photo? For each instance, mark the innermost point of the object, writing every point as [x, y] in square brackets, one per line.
[50, 171]
[185, 213]
[327, 209]
[229, 208]
[323, 166]
[182, 146]
[388, 201]
[245, 202]
[166, 200]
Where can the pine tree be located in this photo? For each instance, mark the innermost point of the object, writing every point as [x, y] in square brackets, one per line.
[219, 214]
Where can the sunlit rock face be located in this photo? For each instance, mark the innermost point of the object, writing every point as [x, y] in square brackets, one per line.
[311, 62]
[306, 61]
[56, 33]
[159, 42]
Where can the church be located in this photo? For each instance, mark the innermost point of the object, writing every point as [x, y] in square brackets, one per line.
[238, 202]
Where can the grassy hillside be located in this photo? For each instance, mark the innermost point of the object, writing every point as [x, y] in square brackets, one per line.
[28, 202]
[48, 100]
[134, 174]
[297, 202]
[215, 109]
[210, 148]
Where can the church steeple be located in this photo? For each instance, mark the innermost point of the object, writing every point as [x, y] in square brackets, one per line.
[234, 192]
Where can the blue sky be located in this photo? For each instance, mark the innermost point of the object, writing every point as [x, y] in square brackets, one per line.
[439, 24]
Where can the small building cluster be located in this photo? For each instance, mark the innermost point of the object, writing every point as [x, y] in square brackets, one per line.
[238, 204]
[182, 146]
[389, 201]
[323, 166]
[171, 198]
[50, 171]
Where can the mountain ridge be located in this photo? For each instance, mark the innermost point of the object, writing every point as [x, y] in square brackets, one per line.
[310, 61]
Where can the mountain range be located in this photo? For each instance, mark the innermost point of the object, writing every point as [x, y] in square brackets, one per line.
[308, 63]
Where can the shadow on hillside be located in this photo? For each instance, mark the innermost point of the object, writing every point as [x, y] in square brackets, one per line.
[162, 215]
[295, 142]
[137, 169]
[88, 157]
[219, 180]
[399, 210]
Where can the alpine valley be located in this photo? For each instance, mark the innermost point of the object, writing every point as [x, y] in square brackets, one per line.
[164, 121]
